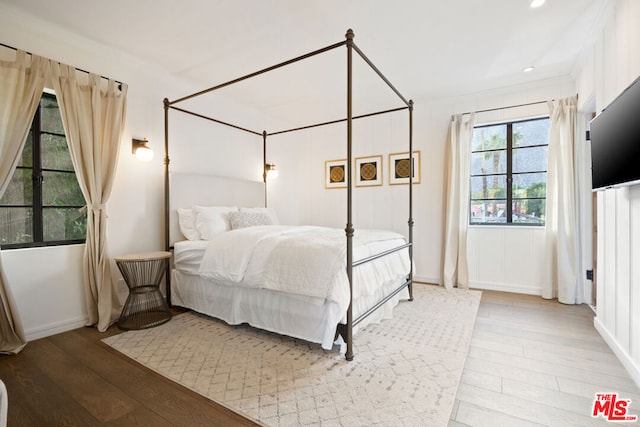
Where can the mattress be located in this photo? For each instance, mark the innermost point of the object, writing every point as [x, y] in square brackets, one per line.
[234, 278]
[187, 255]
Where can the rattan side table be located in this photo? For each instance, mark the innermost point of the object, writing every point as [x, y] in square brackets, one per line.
[145, 306]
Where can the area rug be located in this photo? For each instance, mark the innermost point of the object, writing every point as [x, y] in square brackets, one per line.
[406, 370]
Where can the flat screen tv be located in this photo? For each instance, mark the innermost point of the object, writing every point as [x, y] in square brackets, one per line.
[615, 141]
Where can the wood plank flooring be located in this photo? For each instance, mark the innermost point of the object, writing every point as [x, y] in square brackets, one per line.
[536, 362]
[73, 379]
[532, 362]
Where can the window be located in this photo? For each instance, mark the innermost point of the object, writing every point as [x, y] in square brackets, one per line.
[43, 204]
[509, 173]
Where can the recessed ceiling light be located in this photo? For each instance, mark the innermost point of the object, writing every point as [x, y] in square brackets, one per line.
[528, 69]
[536, 3]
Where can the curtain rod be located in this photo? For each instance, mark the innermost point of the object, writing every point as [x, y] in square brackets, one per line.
[76, 68]
[504, 108]
[510, 106]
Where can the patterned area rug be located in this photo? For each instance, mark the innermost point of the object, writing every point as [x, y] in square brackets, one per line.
[405, 372]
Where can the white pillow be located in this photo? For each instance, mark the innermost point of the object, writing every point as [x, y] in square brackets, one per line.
[245, 219]
[269, 211]
[187, 222]
[212, 220]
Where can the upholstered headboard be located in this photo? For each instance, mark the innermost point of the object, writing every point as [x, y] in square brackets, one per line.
[187, 190]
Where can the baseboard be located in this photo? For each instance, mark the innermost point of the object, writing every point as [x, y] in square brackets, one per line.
[502, 287]
[516, 289]
[55, 328]
[630, 365]
[427, 280]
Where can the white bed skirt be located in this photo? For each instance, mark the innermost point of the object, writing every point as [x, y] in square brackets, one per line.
[300, 317]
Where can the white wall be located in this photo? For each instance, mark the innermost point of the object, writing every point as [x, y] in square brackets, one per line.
[613, 64]
[135, 207]
[494, 264]
[510, 258]
[303, 157]
[47, 282]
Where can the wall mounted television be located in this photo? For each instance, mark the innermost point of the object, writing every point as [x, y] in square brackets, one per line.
[615, 141]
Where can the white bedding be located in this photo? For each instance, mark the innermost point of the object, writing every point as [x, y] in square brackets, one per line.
[303, 260]
[304, 264]
[187, 255]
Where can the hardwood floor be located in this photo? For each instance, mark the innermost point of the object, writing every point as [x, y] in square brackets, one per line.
[536, 362]
[532, 362]
[73, 379]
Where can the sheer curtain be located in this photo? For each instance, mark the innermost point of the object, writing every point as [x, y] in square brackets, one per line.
[561, 276]
[456, 194]
[21, 85]
[93, 118]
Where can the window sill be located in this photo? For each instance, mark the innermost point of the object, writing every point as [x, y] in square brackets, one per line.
[508, 226]
[41, 245]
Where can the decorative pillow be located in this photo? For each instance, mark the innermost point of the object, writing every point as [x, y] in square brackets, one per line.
[245, 219]
[212, 220]
[269, 211]
[187, 223]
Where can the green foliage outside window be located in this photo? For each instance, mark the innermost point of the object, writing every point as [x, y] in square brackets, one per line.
[43, 203]
[508, 173]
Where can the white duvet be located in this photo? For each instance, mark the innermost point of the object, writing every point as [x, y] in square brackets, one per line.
[304, 260]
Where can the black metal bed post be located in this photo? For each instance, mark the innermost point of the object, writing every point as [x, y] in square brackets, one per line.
[349, 228]
[264, 164]
[167, 243]
[410, 222]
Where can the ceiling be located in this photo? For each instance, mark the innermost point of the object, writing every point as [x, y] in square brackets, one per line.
[426, 48]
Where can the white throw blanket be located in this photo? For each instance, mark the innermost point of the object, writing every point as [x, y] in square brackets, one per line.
[228, 255]
[309, 263]
[304, 260]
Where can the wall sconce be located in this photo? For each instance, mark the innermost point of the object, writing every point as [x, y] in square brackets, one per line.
[141, 149]
[270, 171]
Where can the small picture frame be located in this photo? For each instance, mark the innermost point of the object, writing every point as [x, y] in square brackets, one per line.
[400, 167]
[335, 173]
[368, 171]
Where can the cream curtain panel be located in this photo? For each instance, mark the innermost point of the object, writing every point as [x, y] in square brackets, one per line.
[93, 117]
[561, 276]
[21, 84]
[455, 271]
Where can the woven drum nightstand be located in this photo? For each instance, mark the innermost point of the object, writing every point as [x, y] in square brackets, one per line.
[145, 306]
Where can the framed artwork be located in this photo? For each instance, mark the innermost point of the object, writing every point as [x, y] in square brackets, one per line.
[368, 171]
[335, 173]
[400, 167]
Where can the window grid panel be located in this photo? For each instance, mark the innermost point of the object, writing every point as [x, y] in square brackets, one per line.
[19, 192]
[522, 199]
[531, 132]
[56, 154]
[488, 187]
[16, 225]
[488, 162]
[530, 158]
[43, 205]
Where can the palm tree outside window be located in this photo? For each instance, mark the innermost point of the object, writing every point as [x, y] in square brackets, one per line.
[509, 173]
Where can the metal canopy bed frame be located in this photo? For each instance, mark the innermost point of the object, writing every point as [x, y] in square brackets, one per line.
[345, 330]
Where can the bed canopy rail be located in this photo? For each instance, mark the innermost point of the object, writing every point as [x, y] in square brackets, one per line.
[345, 330]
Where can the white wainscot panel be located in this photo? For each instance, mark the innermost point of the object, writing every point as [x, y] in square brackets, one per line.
[506, 258]
[607, 261]
[634, 323]
[488, 244]
[623, 266]
[47, 288]
[524, 258]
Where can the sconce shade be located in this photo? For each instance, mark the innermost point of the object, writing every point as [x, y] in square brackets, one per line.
[141, 149]
[271, 171]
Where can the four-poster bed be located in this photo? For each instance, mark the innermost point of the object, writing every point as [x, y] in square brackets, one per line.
[240, 295]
